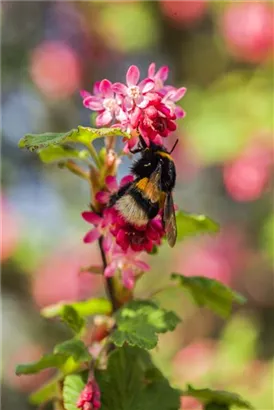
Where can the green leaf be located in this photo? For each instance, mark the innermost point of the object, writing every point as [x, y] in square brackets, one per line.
[82, 135]
[73, 348]
[58, 153]
[210, 293]
[131, 382]
[62, 352]
[46, 361]
[190, 224]
[213, 398]
[73, 385]
[84, 308]
[139, 321]
[72, 318]
[47, 392]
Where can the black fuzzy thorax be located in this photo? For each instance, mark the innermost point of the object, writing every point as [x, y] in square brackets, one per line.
[149, 161]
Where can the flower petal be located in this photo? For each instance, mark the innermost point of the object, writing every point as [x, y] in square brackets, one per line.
[151, 70]
[84, 94]
[107, 242]
[111, 183]
[96, 87]
[133, 75]
[121, 116]
[104, 118]
[146, 85]
[105, 88]
[179, 112]
[91, 217]
[102, 197]
[93, 103]
[162, 73]
[122, 240]
[143, 266]
[119, 88]
[92, 236]
[125, 180]
[110, 270]
[178, 94]
[128, 278]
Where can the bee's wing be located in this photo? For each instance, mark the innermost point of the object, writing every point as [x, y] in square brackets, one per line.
[153, 187]
[169, 220]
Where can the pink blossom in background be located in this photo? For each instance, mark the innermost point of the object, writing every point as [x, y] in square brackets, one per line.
[26, 383]
[55, 69]
[193, 362]
[184, 13]
[248, 30]
[10, 227]
[220, 257]
[247, 176]
[189, 403]
[59, 279]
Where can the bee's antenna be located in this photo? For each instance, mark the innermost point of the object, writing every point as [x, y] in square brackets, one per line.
[172, 149]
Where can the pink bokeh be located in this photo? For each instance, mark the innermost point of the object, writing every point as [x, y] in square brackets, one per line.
[55, 69]
[10, 229]
[247, 176]
[59, 278]
[184, 13]
[247, 28]
[218, 257]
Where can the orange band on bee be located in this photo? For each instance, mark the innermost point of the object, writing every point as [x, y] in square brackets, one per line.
[165, 155]
[142, 184]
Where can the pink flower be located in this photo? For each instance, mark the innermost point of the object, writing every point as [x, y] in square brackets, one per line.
[155, 121]
[128, 264]
[111, 186]
[173, 95]
[134, 94]
[89, 398]
[102, 225]
[104, 102]
[158, 77]
[137, 238]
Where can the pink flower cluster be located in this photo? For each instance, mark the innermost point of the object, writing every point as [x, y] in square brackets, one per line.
[89, 398]
[122, 242]
[148, 107]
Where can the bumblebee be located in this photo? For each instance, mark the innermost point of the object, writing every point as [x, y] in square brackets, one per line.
[155, 177]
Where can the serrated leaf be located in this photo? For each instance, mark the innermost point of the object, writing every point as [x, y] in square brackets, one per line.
[191, 224]
[46, 392]
[139, 321]
[127, 385]
[73, 385]
[83, 308]
[210, 293]
[58, 153]
[73, 348]
[217, 397]
[82, 135]
[46, 361]
[72, 318]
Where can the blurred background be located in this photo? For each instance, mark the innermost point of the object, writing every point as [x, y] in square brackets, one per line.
[222, 52]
